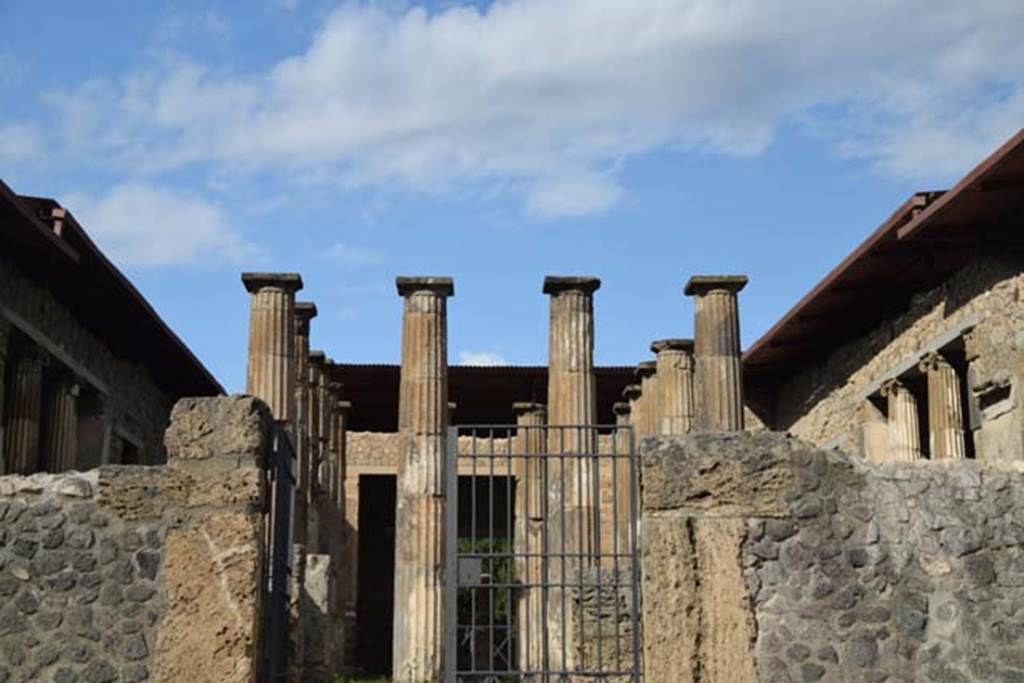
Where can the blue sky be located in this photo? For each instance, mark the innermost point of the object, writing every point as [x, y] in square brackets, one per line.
[639, 141]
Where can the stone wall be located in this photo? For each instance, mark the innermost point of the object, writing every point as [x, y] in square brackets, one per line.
[824, 403]
[765, 559]
[136, 404]
[133, 573]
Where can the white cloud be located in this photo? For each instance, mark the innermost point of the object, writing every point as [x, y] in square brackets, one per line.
[351, 255]
[549, 93]
[141, 224]
[20, 142]
[572, 195]
[488, 358]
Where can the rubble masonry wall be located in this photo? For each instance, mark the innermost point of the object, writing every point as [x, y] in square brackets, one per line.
[766, 559]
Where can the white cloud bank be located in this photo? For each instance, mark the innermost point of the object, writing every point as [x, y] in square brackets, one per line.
[549, 95]
[144, 225]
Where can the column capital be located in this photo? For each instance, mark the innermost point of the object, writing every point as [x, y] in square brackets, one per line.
[891, 387]
[621, 408]
[335, 387]
[441, 286]
[304, 312]
[344, 405]
[672, 345]
[702, 284]
[631, 392]
[29, 351]
[254, 282]
[318, 359]
[646, 369]
[933, 360]
[528, 407]
[556, 284]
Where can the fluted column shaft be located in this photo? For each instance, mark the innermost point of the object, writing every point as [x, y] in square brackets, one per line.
[945, 410]
[647, 408]
[60, 420]
[322, 473]
[317, 361]
[719, 379]
[529, 532]
[572, 405]
[304, 314]
[623, 478]
[904, 428]
[5, 333]
[420, 511]
[271, 371]
[21, 440]
[675, 386]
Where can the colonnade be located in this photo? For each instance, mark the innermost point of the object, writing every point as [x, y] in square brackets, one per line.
[40, 409]
[689, 385]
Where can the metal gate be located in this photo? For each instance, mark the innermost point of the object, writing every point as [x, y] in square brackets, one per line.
[279, 471]
[542, 574]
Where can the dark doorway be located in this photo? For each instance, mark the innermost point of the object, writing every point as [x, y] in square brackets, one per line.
[375, 602]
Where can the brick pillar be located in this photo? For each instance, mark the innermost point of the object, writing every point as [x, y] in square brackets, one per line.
[719, 379]
[21, 440]
[304, 313]
[904, 429]
[945, 410]
[571, 495]
[420, 511]
[271, 373]
[645, 417]
[529, 532]
[60, 420]
[675, 386]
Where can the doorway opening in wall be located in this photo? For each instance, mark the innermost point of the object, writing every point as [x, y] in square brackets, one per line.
[375, 596]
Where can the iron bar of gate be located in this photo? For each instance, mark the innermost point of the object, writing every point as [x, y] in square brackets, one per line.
[281, 480]
[576, 574]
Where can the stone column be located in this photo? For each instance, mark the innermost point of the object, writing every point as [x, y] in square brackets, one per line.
[945, 411]
[571, 495]
[623, 478]
[904, 430]
[529, 533]
[305, 311]
[345, 555]
[317, 362]
[645, 417]
[271, 373]
[675, 386]
[420, 511]
[60, 420]
[21, 440]
[351, 568]
[719, 378]
[5, 333]
[631, 394]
